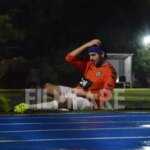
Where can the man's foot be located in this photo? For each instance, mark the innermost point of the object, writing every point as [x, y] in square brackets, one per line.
[21, 108]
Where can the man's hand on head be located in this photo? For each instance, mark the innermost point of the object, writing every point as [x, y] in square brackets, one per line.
[93, 42]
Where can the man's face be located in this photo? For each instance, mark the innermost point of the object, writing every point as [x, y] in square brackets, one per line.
[96, 58]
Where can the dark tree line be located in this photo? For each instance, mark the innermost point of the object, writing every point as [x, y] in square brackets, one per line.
[43, 31]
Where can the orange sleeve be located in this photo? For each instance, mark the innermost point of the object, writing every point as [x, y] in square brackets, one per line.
[110, 80]
[109, 84]
[76, 62]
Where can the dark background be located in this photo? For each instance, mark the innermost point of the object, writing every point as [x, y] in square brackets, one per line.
[35, 36]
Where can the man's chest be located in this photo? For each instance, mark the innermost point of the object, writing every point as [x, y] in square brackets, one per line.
[95, 74]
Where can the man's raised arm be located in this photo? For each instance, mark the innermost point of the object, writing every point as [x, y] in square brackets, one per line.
[80, 49]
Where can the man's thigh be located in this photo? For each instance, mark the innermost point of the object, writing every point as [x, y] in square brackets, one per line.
[74, 102]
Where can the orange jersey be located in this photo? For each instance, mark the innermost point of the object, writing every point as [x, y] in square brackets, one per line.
[103, 77]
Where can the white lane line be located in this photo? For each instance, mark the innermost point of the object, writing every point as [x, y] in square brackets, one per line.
[81, 122]
[75, 129]
[62, 117]
[76, 139]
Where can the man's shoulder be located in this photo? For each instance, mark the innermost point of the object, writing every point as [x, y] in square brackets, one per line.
[109, 68]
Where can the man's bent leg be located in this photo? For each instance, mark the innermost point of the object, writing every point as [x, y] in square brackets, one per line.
[53, 90]
[80, 103]
[53, 105]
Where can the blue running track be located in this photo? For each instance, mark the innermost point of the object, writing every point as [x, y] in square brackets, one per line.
[76, 131]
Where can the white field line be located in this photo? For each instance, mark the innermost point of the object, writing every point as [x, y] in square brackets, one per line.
[81, 122]
[76, 139]
[73, 113]
[75, 129]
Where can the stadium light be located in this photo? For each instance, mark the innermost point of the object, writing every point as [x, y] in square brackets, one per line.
[146, 41]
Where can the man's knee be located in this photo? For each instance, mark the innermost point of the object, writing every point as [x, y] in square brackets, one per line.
[47, 85]
[52, 89]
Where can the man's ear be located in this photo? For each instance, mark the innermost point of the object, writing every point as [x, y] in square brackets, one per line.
[102, 54]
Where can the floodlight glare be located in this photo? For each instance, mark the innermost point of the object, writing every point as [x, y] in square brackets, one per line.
[146, 40]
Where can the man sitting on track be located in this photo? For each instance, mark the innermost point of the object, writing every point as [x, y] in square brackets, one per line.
[96, 85]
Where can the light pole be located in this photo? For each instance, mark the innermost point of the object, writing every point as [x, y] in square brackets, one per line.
[146, 41]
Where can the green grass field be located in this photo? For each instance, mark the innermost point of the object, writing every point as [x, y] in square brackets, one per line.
[129, 93]
[130, 98]
[134, 94]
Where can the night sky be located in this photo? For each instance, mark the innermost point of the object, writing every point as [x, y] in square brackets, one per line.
[65, 24]
[45, 30]
[119, 23]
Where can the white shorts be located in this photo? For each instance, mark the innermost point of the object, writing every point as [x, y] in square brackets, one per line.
[74, 101]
